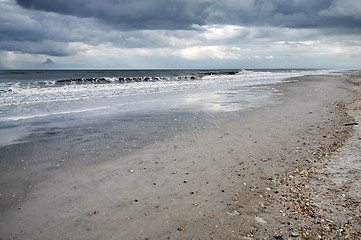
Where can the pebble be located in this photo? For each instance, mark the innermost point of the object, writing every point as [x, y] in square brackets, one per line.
[260, 220]
[93, 213]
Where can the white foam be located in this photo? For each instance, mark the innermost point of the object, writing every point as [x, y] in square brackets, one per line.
[16, 118]
[24, 94]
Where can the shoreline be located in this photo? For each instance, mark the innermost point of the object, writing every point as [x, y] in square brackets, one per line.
[220, 183]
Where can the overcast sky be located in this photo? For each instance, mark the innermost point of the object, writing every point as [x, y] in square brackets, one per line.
[37, 34]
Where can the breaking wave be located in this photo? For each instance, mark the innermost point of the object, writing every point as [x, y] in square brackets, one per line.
[24, 91]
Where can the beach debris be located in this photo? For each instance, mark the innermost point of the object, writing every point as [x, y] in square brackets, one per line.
[93, 213]
[131, 171]
[277, 236]
[234, 213]
[247, 238]
[146, 214]
[351, 124]
[260, 220]
[174, 172]
[180, 229]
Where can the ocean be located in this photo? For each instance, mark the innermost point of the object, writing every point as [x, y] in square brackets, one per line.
[33, 99]
[36, 86]
[64, 120]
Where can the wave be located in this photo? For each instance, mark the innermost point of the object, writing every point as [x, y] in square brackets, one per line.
[16, 118]
[113, 80]
[5, 90]
[100, 80]
[23, 92]
[138, 79]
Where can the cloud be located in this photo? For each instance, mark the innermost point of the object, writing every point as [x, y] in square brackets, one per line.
[344, 8]
[165, 14]
[48, 62]
[127, 14]
[154, 32]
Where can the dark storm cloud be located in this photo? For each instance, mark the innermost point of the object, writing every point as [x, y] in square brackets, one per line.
[67, 27]
[37, 32]
[46, 47]
[127, 14]
[173, 14]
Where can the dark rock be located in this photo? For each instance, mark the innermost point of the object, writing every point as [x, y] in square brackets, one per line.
[351, 124]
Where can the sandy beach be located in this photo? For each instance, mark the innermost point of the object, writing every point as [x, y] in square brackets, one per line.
[285, 171]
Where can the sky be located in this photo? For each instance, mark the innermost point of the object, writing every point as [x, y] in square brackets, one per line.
[163, 34]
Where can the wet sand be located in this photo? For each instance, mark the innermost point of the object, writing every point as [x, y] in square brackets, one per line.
[289, 170]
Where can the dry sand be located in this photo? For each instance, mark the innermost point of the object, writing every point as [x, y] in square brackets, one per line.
[290, 170]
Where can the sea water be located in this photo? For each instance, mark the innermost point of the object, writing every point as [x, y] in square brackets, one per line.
[33, 99]
[28, 87]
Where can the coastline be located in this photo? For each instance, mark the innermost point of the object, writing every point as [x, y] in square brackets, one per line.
[242, 180]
